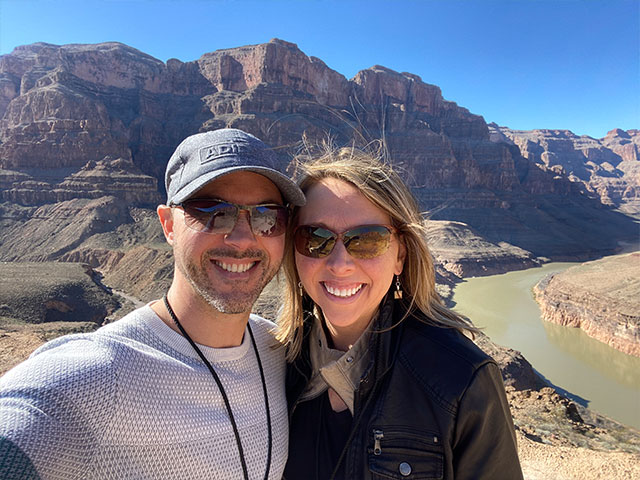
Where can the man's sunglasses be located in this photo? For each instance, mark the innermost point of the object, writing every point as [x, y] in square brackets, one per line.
[363, 242]
[220, 217]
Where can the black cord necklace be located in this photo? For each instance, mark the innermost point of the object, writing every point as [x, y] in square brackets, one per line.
[174, 317]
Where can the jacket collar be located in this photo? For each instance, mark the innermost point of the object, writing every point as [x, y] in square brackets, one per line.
[384, 340]
[334, 368]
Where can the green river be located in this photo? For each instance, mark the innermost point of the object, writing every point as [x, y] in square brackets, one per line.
[593, 373]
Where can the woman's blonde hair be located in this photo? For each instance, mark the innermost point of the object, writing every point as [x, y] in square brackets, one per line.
[379, 182]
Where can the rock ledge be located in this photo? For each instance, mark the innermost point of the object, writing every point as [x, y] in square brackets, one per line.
[600, 297]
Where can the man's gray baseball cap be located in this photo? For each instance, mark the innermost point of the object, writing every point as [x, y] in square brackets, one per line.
[203, 157]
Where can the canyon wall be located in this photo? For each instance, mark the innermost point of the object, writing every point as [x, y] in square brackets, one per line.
[83, 122]
[606, 168]
[601, 297]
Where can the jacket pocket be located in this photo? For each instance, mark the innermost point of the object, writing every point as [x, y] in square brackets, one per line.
[401, 454]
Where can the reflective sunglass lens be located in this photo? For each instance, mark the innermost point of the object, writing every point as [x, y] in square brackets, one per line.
[314, 242]
[268, 221]
[210, 216]
[368, 241]
[213, 216]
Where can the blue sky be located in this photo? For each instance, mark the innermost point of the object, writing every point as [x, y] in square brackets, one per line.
[525, 64]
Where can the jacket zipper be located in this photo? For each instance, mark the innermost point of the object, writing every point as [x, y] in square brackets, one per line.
[377, 436]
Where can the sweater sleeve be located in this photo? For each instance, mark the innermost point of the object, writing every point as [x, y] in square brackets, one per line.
[485, 442]
[52, 408]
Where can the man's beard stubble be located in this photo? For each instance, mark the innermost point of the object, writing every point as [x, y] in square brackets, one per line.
[238, 300]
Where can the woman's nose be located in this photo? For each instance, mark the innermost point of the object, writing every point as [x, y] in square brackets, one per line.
[339, 260]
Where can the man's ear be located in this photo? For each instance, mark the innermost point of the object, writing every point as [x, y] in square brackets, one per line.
[165, 215]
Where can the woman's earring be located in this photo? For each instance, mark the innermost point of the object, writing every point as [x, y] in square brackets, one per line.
[398, 293]
[300, 289]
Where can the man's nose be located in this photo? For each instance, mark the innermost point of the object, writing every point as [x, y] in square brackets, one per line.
[242, 235]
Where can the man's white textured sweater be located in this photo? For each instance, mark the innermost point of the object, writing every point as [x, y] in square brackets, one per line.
[133, 400]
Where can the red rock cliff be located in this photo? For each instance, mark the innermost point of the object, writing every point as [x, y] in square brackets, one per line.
[65, 109]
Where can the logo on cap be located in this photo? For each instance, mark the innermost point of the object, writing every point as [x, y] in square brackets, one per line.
[220, 150]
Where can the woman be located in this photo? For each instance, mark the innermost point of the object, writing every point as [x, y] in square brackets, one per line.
[382, 382]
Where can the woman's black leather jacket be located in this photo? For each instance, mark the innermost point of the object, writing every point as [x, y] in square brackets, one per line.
[430, 405]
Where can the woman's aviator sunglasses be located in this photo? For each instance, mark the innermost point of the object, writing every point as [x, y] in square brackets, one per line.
[363, 242]
[220, 217]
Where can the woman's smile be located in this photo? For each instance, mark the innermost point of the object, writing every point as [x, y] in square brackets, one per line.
[342, 291]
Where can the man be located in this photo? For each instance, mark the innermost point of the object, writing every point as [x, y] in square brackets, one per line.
[190, 386]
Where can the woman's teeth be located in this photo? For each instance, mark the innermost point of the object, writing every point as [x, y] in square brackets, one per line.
[343, 292]
[235, 267]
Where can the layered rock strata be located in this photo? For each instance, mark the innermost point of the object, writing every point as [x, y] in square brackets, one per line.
[601, 297]
[606, 168]
[114, 177]
[463, 252]
[80, 120]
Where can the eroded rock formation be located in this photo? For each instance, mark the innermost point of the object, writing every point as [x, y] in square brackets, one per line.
[460, 250]
[109, 176]
[600, 297]
[81, 121]
[51, 231]
[607, 168]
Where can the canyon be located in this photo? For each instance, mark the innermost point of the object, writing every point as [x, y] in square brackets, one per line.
[85, 121]
[86, 131]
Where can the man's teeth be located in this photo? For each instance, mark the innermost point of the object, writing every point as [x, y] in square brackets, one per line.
[235, 267]
[343, 292]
